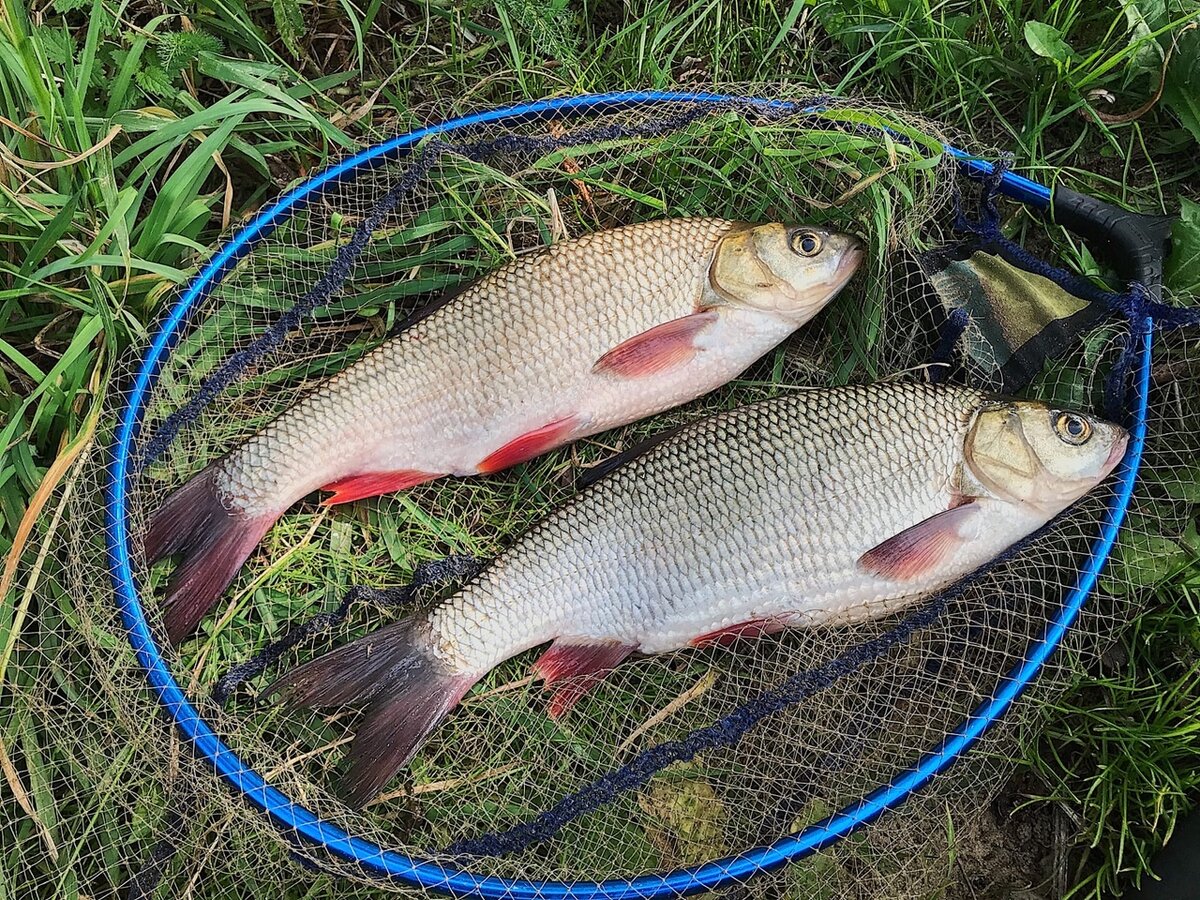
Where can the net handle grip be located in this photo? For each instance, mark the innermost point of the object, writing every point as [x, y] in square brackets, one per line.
[1136, 245]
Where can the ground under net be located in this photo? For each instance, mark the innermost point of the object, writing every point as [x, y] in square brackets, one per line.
[131, 790]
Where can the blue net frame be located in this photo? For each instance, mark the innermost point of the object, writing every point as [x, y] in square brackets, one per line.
[301, 824]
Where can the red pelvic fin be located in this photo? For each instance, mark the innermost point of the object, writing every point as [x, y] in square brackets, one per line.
[916, 551]
[663, 347]
[529, 445]
[372, 484]
[723, 637]
[573, 669]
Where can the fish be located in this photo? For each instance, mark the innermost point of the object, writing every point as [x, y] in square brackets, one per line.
[584, 336]
[817, 508]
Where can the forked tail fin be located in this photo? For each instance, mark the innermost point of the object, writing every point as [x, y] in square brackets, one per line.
[411, 692]
[214, 541]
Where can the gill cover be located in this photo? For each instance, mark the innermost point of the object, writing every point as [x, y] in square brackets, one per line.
[1034, 454]
[786, 270]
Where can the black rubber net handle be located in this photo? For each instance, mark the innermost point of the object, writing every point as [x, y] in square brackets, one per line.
[1136, 245]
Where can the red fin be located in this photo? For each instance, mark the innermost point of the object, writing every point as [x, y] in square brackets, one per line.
[214, 542]
[581, 666]
[723, 637]
[372, 484]
[917, 550]
[529, 445]
[661, 348]
[410, 693]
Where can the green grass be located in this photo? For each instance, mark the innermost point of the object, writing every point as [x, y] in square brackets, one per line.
[134, 135]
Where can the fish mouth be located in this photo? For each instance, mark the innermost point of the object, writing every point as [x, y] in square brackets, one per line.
[1116, 453]
[852, 258]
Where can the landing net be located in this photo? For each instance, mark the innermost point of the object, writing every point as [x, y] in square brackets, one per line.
[823, 772]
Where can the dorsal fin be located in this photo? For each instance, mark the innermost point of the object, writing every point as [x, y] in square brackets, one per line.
[588, 477]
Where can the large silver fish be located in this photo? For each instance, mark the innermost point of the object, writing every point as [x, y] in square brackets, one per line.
[587, 335]
[822, 506]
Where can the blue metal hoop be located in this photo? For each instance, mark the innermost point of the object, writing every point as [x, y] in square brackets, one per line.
[298, 821]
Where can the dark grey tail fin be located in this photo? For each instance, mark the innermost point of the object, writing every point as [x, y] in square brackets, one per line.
[410, 690]
[214, 541]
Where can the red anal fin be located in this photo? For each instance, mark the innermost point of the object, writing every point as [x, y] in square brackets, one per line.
[372, 484]
[663, 347]
[917, 551]
[529, 445]
[579, 667]
[723, 637]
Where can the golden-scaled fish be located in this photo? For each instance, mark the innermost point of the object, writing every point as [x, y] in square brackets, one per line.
[587, 335]
[823, 506]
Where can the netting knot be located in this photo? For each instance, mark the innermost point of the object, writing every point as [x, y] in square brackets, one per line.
[986, 224]
[1137, 305]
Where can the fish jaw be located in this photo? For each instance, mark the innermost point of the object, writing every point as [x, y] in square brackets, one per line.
[768, 267]
[1116, 454]
[1022, 452]
[847, 267]
[816, 297]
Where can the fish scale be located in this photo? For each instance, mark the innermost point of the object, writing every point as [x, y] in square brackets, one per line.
[816, 508]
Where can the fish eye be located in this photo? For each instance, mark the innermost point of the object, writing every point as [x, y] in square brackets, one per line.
[806, 243]
[1072, 428]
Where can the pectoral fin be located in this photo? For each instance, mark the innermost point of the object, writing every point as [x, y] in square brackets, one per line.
[660, 349]
[919, 550]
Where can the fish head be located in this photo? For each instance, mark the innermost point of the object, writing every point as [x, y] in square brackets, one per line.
[787, 270]
[1038, 455]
